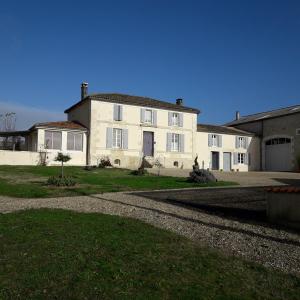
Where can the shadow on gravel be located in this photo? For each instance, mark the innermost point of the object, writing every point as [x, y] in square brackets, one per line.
[200, 222]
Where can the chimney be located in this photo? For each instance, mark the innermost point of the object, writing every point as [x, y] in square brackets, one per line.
[84, 90]
[179, 101]
[237, 115]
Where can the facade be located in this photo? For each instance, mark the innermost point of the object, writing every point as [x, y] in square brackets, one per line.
[279, 133]
[126, 128]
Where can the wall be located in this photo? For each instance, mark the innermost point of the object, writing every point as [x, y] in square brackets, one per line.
[228, 145]
[102, 117]
[21, 158]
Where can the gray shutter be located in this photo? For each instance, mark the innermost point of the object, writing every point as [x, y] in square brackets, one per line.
[169, 118]
[169, 141]
[235, 158]
[209, 140]
[155, 117]
[219, 140]
[246, 159]
[116, 112]
[121, 112]
[246, 142]
[125, 138]
[181, 145]
[142, 115]
[236, 142]
[109, 137]
[180, 116]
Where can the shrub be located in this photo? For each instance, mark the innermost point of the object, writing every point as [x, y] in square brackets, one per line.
[61, 181]
[105, 162]
[139, 172]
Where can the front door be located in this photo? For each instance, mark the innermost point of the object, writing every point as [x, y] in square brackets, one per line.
[148, 143]
[215, 160]
[227, 161]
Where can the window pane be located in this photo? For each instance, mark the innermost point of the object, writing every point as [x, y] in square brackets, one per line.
[148, 116]
[48, 140]
[78, 141]
[56, 140]
[70, 141]
[117, 138]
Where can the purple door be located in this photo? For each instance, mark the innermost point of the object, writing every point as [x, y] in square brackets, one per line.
[148, 141]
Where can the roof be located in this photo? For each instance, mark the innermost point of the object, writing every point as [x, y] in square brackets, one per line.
[266, 115]
[14, 133]
[60, 124]
[222, 129]
[135, 100]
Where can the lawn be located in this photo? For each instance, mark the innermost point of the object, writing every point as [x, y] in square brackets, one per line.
[30, 181]
[56, 254]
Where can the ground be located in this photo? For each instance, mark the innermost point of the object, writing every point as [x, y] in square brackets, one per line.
[54, 254]
[30, 181]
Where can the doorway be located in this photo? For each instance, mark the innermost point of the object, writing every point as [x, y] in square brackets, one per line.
[215, 160]
[148, 143]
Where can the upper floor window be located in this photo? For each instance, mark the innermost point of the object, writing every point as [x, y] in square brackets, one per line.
[74, 141]
[214, 140]
[149, 116]
[52, 140]
[117, 138]
[241, 142]
[118, 112]
[175, 119]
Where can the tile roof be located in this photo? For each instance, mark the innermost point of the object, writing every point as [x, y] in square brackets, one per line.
[135, 100]
[222, 129]
[60, 124]
[266, 115]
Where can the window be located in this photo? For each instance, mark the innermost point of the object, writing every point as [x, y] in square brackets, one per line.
[148, 116]
[117, 138]
[175, 119]
[214, 139]
[118, 111]
[241, 142]
[277, 141]
[52, 140]
[241, 158]
[175, 164]
[74, 141]
[175, 142]
[117, 162]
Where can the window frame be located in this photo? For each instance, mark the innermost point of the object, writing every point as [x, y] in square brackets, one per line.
[175, 140]
[74, 141]
[214, 140]
[241, 158]
[241, 141]
[175, 120]
[51, 141]
[151, 116]
[117, 138]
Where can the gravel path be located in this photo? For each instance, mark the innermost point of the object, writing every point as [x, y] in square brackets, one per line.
[269, 246]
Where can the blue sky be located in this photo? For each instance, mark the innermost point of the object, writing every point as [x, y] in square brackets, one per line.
[219, 56]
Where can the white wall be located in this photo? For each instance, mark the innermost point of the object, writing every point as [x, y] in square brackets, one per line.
[21, 158]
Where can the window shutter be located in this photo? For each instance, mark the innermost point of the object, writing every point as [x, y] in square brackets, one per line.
[169, 141]
[125, 138]
[246, 142]
[116, 112]
[169, 118]
[108, 137]
[180, 119]
[210, 140]
[142, 115]
[235, 158]
[181, 143]
[155, 117]
[219, 140]
[236, 142]
[121, 112]
[246, 159]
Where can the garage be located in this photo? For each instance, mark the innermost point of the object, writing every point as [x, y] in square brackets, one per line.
[278, 154]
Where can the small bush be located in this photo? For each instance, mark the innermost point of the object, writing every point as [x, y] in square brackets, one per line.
[61, 181]
[105, 162]
[139, 172]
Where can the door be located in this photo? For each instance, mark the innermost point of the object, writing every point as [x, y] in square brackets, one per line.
[148, 143]
[215, 160]
[278, 154]
[227, 161]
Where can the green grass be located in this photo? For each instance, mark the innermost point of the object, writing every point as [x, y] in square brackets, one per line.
[56, 254]
[30, 181]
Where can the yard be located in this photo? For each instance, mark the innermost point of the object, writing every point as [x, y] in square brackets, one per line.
[30, 181]
[56, 254]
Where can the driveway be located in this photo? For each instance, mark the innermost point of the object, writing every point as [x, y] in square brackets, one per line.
[243, 178]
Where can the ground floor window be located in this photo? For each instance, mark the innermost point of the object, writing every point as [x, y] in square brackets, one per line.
[52, 140]
[74, 141]
[241, 158]
[117, 138]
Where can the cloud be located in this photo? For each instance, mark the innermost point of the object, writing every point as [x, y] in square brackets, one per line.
[26, 116]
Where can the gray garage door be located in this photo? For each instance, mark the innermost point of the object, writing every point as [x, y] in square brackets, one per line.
[278, 154]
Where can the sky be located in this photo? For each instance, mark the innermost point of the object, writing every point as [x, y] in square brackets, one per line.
[219, 55]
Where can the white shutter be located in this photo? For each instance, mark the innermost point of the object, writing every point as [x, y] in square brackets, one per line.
[181, 142]
[219, 140]
[169, 118]
[169, 141]
[246, 159]
[236, 142]
[246, 142]
[125, 138]
[108, 137]
[235, 158]
[142, 115]
[210, 142]
[121, 112]
[180, 116]
[154, 117]
[116, 112]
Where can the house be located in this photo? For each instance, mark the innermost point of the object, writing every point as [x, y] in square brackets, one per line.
[126, 128]
[279, 133]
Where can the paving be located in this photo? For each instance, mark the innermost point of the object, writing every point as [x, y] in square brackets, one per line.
[242, 178]
[228, 220]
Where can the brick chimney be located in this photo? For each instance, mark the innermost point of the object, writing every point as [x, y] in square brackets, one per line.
[179, 101]
[84, 90]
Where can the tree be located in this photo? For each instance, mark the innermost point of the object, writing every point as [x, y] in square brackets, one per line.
[62, 158]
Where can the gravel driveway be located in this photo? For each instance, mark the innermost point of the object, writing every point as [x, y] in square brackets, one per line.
[270, 246]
